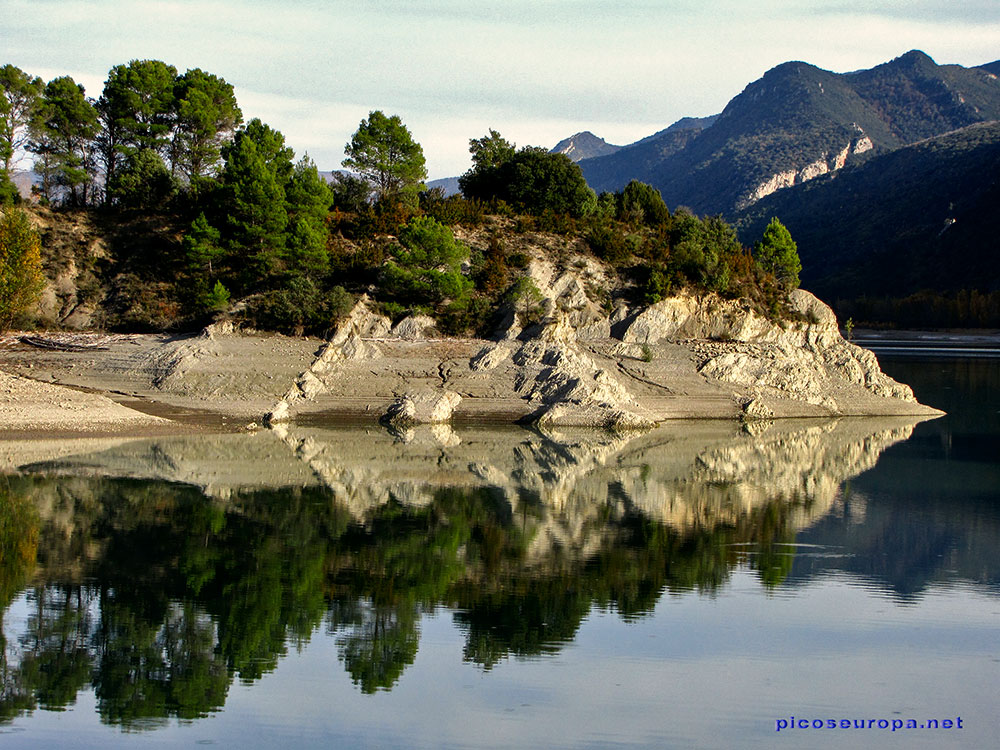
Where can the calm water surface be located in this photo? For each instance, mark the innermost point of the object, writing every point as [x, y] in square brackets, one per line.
[694, 587]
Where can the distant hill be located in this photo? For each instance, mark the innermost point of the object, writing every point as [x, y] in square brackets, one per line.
[448, 184]
[24, 182]
[584, 145]
[798, 122]
[921, 217]
[640, 160]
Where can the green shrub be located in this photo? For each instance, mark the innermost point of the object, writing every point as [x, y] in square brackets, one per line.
[217, 299]
[427, 243]
[21, 279]
[339, 303]
[519, 260]
[643, 204]
[293, 309]
[527, 300]
[608, 242]
[778, 254]
[657, 287]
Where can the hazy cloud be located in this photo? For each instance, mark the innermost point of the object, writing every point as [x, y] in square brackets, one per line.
[453, 68]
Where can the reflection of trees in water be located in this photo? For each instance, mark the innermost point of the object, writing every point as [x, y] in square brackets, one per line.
[55, 652]
[18, 550]
[376, 641]
[185, 594]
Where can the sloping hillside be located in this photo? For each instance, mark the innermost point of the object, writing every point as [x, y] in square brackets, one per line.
[920, 217]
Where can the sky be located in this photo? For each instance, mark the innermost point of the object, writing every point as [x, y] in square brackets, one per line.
[535, 70]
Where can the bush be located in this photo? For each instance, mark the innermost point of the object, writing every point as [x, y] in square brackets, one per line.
[8, 190]
[657, 287]
[217, 300]
[494, 273]
[139, 305]
[21, 279]
[527, 300]
[608, 242]
[339, 303]
[644, 204]
[453, 209]
[425, 269]
[426, 243]
[294, 309]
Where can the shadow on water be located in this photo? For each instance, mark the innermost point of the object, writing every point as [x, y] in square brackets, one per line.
[157, 572]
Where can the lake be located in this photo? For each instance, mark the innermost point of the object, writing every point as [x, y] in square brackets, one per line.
[802, 583]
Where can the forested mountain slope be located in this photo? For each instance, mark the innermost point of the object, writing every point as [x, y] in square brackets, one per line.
[923, 217]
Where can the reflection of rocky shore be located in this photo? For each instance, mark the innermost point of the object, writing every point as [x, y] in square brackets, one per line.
[684, 474]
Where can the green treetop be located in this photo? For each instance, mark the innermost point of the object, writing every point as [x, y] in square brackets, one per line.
[63, 129]
[19, 96]
[778, 254]
[136, 110]
[531, 178]
[490, 151]
[206, 114]
[384, 153]
[644, 203]
[258, 167]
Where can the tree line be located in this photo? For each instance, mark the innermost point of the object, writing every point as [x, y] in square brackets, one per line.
[966, 308]
[254, 223]
[150, 130]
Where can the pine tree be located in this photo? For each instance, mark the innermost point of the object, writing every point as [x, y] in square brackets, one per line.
[778, 254]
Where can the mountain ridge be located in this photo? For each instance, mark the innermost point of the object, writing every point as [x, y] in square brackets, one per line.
[794, 123]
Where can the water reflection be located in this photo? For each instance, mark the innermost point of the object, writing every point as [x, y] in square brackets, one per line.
[158, 571]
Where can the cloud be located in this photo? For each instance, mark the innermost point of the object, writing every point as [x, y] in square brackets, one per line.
[314, 68]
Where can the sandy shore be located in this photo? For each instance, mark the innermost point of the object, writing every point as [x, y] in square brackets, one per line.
[29, 406]
[139, 383]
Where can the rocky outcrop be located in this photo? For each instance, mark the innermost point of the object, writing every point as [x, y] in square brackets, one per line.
[415, 327]
[559, 359]
[806, 361]
[74, 247]
[347, 343]
[568, 386]
[422, 408]
[564, 369]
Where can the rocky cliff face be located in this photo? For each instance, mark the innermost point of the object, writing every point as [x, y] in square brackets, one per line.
[75, 248]
[823, 165]
[803, 361]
